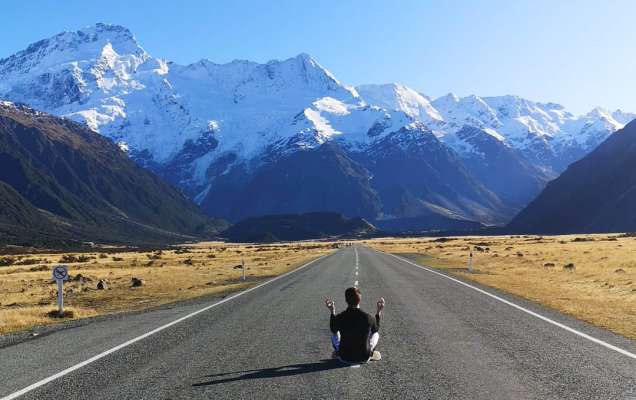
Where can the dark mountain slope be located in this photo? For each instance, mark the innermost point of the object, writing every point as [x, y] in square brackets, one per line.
[321, 179]
[502, 169]
[297, 227]
[416, 177]
[89, 186]
[595, 194]
[407, 179]
[21, 222]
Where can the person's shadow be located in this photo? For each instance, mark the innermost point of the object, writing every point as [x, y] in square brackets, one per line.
[275, 372]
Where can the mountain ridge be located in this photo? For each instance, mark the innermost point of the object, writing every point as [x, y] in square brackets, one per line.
[594, 194]
[195, 124]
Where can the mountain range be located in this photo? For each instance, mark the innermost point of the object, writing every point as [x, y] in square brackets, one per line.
[61, 182]
[594, 194]
[244, 139]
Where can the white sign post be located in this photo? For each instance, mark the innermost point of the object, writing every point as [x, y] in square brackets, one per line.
[60, 274]
[470, 262]
[243, 266]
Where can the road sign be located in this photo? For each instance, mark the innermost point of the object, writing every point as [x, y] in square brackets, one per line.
[60, 274]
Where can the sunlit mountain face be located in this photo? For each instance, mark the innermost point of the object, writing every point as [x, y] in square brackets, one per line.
[244, 139]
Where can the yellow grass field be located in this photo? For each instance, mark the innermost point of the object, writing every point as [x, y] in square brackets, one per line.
[598, 287]
[28, 294]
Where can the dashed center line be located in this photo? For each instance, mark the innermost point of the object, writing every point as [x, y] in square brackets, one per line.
[355, 249]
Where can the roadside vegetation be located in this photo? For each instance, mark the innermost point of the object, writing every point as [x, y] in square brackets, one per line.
[108, 281]
[591, 277]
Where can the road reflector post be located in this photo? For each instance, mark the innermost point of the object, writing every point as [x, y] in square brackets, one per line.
[470, 262]
[243, 268]
[60, 274]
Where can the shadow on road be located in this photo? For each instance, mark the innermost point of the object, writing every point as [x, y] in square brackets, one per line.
[275, 372]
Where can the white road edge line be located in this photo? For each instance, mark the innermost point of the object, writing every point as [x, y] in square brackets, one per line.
[518, 307]
[152, 332]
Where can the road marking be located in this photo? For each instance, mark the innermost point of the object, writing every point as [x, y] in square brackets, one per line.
[518, 307]
[355, 249]
[152, 332]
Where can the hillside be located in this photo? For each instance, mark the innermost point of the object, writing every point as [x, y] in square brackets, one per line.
[595, 194]
[63, 180]
[287, 227]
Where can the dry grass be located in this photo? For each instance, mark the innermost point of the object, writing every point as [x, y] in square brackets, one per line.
[27, 292]
[599, 288]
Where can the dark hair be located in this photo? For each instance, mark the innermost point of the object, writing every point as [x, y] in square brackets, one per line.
[352, 296]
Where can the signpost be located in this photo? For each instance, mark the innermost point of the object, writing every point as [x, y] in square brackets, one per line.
[470, 262]
[60, 274]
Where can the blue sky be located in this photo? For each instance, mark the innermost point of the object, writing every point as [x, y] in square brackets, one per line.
[577, 53]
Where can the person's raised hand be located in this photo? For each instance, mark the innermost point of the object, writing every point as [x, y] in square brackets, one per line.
[330, 304]
[381, 304]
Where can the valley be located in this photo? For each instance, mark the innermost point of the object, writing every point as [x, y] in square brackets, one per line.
[448, 213]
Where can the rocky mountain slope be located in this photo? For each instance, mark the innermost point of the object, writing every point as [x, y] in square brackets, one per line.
[245, 139]
[595, 194]
[59, 178]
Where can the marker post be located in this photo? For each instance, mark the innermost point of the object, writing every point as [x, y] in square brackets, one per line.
[60, 274]
[243, 268]
[470, 262]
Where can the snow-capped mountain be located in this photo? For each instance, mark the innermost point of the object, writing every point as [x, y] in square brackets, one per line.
[394, 96]
[245, 138]
[545, 133]
[101, 76]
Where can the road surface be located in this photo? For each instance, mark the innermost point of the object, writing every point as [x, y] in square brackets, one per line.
[440, 339]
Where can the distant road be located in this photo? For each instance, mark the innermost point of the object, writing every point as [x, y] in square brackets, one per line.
[440, 339]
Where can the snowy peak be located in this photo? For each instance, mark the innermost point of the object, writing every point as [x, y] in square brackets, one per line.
[446, 101]
[71, 66]
[308, 68]
[69, 47]
[298, 79]
[623, 117]
[395, 96]
[471, 110]
[605, 117]
[303, 72]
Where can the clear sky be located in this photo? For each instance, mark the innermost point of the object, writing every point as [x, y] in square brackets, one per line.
[577, 53]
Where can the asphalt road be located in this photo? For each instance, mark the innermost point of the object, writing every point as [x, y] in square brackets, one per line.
[439, 340]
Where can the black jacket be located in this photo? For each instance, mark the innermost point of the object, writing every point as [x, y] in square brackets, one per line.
[355, 327]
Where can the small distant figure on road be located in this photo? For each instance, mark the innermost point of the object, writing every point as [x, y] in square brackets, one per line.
[354, 332]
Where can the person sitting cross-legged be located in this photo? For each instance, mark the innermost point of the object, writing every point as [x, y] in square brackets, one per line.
[354, 332]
